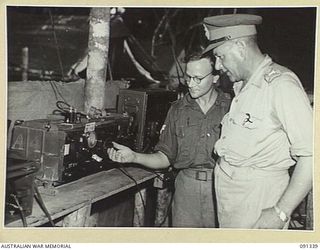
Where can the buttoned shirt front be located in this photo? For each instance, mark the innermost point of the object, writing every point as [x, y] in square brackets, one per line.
[269, 122]
[188, 135]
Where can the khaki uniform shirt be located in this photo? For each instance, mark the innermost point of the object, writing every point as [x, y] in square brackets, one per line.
[269, 123]
[188, 135]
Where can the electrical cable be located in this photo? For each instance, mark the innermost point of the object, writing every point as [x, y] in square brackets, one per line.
[54, 85]
[54, 90]
[66, 106]
[139, 191]
[142, 200]
[170, 202]
[136, 184]
[42, 205]
[56, 43]
[154, 172]
[23, 217]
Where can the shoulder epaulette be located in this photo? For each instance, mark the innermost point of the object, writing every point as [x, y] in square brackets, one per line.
[272, 74]
[177, 103]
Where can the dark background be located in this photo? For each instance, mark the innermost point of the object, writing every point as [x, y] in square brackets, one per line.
[286, 34]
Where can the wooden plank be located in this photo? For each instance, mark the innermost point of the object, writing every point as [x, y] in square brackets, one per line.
[163, 208]
[139, 208]
[83, 192]
[92, 220]
[78, 218]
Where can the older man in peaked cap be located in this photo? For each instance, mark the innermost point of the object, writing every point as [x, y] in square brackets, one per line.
[267, 130]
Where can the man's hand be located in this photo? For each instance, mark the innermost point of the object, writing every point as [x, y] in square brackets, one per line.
[120, 153]
[269, 219]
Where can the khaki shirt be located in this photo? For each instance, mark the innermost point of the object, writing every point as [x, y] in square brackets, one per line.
[188, 135]
[269, 122]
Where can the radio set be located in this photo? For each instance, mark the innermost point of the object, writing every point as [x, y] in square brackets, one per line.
[148, 109]
[69, 151]
[47, 153]
[76, 146]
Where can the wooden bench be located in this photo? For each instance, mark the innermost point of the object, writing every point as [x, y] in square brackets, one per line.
[72, 203]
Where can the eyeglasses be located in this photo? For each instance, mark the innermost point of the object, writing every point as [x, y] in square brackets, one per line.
[196, 79]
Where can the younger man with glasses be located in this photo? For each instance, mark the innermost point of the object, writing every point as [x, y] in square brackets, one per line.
[187, 139]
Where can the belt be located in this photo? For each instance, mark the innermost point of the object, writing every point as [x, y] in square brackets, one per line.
[201, 174]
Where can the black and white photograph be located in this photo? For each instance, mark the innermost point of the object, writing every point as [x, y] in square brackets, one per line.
[191, 117]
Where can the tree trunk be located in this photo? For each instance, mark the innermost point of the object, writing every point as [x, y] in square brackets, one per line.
[98, 47]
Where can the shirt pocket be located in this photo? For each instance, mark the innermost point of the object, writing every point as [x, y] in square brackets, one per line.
[247, 121]
[187, 133]
[245, 133]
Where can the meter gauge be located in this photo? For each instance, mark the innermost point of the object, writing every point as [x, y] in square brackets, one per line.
[91, 139]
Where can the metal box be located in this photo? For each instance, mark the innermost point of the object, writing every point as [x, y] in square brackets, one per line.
[67, 151]
[148, 108]
[19, 188]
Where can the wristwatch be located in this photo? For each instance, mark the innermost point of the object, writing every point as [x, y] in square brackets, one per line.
[282, 215]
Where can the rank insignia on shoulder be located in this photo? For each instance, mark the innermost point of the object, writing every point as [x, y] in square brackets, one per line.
[273, 74]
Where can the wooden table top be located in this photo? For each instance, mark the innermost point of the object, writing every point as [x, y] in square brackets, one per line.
[83, 192]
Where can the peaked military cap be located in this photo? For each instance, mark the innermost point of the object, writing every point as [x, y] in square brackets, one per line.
[222, 28]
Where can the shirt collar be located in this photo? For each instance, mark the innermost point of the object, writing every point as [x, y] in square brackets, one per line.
[237, 86]
[255, 79]
[188, 101]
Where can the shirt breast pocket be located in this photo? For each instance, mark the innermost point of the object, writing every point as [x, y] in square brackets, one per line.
[186, 138]
[188, 128]
[180, 131]
[247, 121]
[245, 133]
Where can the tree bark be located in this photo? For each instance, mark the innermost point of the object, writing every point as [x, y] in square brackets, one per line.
[98, 47]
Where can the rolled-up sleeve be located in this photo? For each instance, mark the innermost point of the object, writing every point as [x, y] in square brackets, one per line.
[168, 141]
[294, 111]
